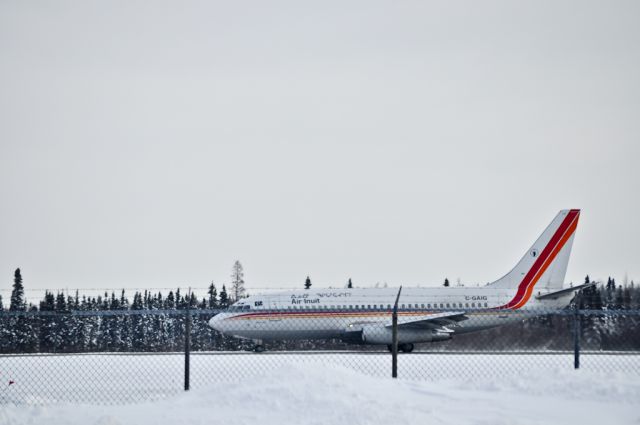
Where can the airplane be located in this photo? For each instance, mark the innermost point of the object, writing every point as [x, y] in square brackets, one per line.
[364, 315]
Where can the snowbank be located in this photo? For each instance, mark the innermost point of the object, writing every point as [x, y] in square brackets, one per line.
[328, 394]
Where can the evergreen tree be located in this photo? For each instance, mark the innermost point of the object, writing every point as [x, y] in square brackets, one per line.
[17, 294]
[307, 283]
[47, 322]
[213, 296]
[60, 329]
[349, 284]
[170, 303]
[192, 301]
[179, 300]
[137, 324]
[446, 282]
[224, 298]
[237, 281]
[22, 331]
[1, 305]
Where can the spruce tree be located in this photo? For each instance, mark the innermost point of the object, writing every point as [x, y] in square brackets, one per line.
[446, 282]
[213, 296]
[17, 294]
[22, 334]
[170, 303]
[179, 300]
[137, 324]
[1, 305]
[61, 331]
[224, 298]
[349, 284]
[47, 323]
[307, 283]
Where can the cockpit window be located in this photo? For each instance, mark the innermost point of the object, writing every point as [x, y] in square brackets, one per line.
[240, 307]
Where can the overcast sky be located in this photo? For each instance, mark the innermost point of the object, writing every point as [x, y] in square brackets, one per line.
[151, 144]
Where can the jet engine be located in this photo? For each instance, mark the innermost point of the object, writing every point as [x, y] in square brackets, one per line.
[377, 334]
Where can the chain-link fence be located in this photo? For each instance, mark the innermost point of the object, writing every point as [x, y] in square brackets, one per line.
[139, 355]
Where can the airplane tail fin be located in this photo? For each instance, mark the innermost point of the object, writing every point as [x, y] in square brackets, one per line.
[545, 263]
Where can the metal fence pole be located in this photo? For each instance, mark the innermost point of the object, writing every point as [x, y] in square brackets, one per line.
[394, 337]
[187, 342]
[576, 333]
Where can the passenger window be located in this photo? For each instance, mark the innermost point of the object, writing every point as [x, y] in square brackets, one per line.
[428, 305]
[246, 307]
[369, 307]
[485, 304]
[466, 305]
[389, 306]
[402, 305]
[441, 305]
[473, 305]
[422, 305]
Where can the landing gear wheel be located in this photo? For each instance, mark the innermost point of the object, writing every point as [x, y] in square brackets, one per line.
[259, 349]
[406, 348]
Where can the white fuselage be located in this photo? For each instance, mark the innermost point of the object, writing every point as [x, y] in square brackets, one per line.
[334, 313]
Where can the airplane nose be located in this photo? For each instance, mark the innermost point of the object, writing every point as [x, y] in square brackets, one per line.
[214, 322]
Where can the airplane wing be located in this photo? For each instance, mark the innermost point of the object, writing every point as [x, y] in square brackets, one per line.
[435, 321]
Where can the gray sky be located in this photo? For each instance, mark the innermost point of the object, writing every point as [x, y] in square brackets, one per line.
[151, 144]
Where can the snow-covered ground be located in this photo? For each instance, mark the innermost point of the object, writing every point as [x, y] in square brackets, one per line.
[325, 393]
[134, 378]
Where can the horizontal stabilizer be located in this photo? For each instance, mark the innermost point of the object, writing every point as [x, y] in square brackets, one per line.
[557, 294]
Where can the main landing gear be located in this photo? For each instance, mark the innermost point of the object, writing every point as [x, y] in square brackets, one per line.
[258, 347]
[405, 348]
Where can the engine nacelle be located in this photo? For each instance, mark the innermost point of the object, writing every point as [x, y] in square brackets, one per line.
[377, 334]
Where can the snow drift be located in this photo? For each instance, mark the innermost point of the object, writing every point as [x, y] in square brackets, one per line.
[327, 394]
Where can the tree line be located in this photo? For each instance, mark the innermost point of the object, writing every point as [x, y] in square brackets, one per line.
[151, 321]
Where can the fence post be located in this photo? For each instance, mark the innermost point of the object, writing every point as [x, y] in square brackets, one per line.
[394, 337]
[576, 333]
[187, 342]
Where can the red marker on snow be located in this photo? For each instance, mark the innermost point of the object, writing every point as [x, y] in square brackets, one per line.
[12, 382]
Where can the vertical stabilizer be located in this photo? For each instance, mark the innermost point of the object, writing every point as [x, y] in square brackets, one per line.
[545, 263]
